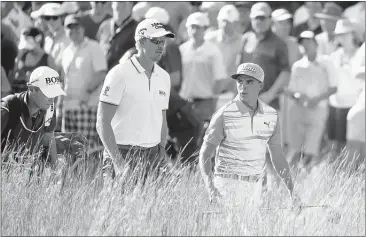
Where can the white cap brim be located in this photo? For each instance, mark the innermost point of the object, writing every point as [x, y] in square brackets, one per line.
[53, 91]
[282, 17]
[257, 13]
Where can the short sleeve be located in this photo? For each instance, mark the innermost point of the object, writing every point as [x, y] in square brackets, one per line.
[99, 61]
[114, 86]
[218, 66]
[276, 136]
[282, 56]
[331, 71]
[167, 95]
[293, 78]
[215, 131]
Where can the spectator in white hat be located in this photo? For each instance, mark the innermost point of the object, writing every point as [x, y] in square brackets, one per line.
[313, 80]
[56, 41]
[228, 39]
[203, 67]
[139, 10]
[244, 10]
[133, 91]
[348, 87]
[93, 18]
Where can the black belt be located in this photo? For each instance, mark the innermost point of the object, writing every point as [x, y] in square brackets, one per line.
[249, 178]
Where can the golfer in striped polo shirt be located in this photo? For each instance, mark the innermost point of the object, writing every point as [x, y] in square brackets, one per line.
[241, 130]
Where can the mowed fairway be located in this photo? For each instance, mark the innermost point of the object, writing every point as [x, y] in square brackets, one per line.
[177, 206]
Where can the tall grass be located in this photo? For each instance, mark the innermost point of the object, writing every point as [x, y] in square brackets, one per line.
[60, 204]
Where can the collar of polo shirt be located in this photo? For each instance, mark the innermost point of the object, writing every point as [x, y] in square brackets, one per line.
[138, 66]
[243, 107]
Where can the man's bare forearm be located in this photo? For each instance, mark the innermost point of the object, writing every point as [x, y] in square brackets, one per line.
[280, 83]
[205, 163]
[99, 79]
[326, 94]
[164, 131]
[281, 165]
[108, 139]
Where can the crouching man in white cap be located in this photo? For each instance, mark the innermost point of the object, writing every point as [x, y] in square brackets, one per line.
[241, 130]
[28, 119]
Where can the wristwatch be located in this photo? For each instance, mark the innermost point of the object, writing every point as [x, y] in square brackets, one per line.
[296, 95]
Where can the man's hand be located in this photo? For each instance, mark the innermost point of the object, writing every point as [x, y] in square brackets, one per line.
[214, 195]
[267, 97]
[296, 205]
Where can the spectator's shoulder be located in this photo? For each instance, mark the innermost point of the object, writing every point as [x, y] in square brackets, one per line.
[93, 43]
[11, 103]
[299, 63]
[184, 46]
[105, 24]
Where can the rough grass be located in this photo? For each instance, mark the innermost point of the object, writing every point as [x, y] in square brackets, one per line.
[58, 204]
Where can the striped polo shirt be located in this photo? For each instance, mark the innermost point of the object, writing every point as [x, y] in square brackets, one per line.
[242, 136]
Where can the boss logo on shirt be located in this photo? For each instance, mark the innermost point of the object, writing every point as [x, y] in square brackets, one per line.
[162, 93]
[107, 88]
[52, 80]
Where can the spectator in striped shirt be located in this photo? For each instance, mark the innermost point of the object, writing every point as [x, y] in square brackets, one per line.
[241, 130]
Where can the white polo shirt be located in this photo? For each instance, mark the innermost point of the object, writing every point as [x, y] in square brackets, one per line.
[138, 119]
[201, 68]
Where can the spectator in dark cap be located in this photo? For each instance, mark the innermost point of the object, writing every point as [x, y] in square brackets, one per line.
[116, 34]
[30, 56]
[84, 67]
[331, 13]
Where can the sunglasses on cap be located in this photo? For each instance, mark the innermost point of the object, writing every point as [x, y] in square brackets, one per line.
[47, 18]
[100, 2]
[157, 41]
[73, 26]
[261, 18]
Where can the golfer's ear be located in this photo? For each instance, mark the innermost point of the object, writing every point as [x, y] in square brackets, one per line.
[261, 85]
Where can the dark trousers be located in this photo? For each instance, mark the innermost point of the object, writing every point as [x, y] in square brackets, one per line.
[140, 161]
[337, 124]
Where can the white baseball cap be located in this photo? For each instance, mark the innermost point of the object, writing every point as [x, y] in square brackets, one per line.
[281, 15]
[344, 26]
[260, 9]
[70, 7]
[198, 18]
[250, 69]
[47, 80]
[159, 14]
[48, 9]
[229, 13]
[151, 28]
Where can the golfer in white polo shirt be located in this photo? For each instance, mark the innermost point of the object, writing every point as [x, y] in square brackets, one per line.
[131, 119]
[241, 130]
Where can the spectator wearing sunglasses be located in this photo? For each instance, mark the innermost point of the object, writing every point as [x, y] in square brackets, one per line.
[84, 66]
[93, 18]
[56, 41]
[30, 56]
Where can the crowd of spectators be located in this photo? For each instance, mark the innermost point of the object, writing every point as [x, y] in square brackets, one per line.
[313, 57]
